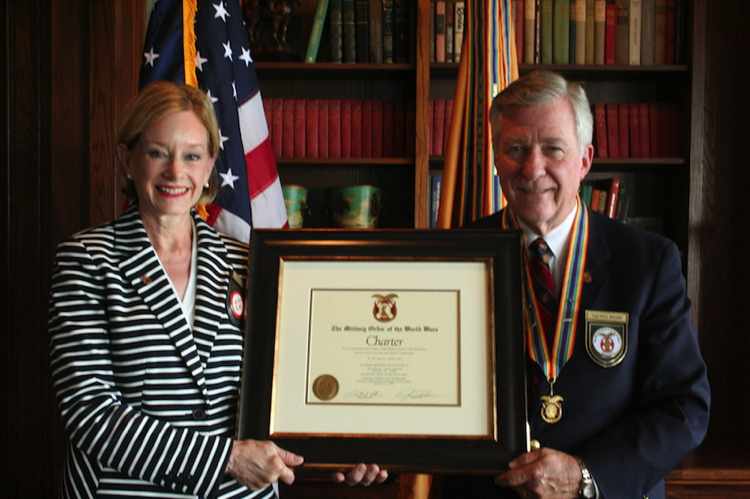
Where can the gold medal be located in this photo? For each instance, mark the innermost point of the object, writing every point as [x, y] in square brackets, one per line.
[551, 406]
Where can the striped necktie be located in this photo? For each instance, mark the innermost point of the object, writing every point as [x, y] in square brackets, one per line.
[544, 286]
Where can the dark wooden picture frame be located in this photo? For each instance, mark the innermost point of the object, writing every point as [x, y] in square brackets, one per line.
[500, 250]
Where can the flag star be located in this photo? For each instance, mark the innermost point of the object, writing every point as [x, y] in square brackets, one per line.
[223, 139]
[229, 178]
[199, 61]
[150, 57]
[221, 11]
[227, 50]
[246, 56]
[214, 100]
[234, 91]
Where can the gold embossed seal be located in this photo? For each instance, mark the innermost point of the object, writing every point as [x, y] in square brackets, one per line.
[325, 387]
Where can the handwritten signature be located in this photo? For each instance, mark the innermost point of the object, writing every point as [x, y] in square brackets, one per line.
[363, 394]
[418, 394]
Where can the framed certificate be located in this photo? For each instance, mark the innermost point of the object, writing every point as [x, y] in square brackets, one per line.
[398, 347]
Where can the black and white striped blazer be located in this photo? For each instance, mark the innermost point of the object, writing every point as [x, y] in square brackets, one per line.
[149, 405]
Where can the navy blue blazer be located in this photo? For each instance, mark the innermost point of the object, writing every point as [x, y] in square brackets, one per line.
[634, 422]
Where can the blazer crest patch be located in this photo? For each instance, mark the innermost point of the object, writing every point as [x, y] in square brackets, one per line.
[606, 337]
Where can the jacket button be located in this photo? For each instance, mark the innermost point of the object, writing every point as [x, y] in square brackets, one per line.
[199, 414]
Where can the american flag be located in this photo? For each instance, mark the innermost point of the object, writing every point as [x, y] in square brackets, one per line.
[212, 52]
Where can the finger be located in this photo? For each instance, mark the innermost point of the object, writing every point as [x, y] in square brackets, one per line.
[338, 477]
[287, 476]
[356, 474]
[370, 475]
[290, 458]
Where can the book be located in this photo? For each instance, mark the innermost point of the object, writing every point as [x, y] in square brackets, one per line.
[660, 33]
[367, 128]
[584, 190]
[645, 135]
[459, 27]
[623, 204]
[349, 33]
[401, 30]
[278, 127]
[399, 129]
[312, 128]
[655, 129]
[546, 21]
[388, 31]
[323, 128]
[538, 31]
[334, 128]
[346, 128]
[362, 30]
[602, 204]
[624, 129]
[447, 126]
[648, 26]
[600, 128]
[634, 51]
[612, 196]
[375, 17]
[613, 130]
[529, 32]
[600, 22]
[335, 14]
[580, 32]
[670, 48]
[572, 32]
[377, 129]
[450, 12]
[666, 132]
[388, 125]
[300, 129]
[595, 195]
[609, 34]
[561, 32]
[313, 45]
[635, 131]
[590, 31]
[440, 31]
[680, 28]
[622, 33]
[287, 144]
[356, 137]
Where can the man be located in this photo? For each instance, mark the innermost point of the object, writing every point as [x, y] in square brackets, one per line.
[617, 388]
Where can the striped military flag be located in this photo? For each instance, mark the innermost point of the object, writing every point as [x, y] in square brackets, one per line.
[204, 43]
[470, 188]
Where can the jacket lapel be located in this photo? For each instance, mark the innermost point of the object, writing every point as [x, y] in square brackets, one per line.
[142, 270]
[597, 272]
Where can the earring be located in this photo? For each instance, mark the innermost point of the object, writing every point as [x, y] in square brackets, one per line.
[206, 186]
[130, 177]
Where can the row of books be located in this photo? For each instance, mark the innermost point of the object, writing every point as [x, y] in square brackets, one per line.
[606, 196]
[362, 31]
[637, 130]
[617, 32]
[340, 128]
[447, 24]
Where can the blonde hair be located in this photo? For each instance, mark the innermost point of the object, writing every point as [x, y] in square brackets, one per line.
[156, 101]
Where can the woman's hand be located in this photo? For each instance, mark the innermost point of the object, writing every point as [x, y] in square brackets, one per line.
[362, 474]
[257, 464]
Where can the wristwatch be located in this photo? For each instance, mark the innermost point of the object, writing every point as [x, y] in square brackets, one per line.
[587, 490]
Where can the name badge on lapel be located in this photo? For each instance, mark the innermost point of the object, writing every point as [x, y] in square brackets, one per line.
[236, 300]
[606, 336]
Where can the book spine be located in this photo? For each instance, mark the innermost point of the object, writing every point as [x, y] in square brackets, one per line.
[356, 128]
[635, 131]
[635, 33]
[613, 130]
[401, 31]
[655, 132]
[278, 127]
[572, 32]
[388, 126]
[459, 27]
[645, 123]
[447, 123]
[312, 128]
[609, 36]
[346, 128]
[518, 24]
[288, 120]
[316, 32]
[300, 128]
[614, 192]
[449, 14]
[624, 129]
[334, 128]
[350, 31]
[671, 31]
[367, 128]
[399, 129]
[660, 33]
[581, 32]
[388, 31]
[362, 30]
[648, 27]
[600, 23]
[667, 133]
[337, 41]
[622, 33]
[323, 128]
[547, 17]
[375, 16]
[538, 31]
[529, 22]
[590, 31]
[561, 32]
[600, 123]
[440, 31]
[377, 129]
[680, 22]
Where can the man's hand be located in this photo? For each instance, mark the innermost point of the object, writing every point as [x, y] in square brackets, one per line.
[543, 474]
[362, 474]
[257, 464]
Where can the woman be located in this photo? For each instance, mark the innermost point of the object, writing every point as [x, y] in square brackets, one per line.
[145, 347]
